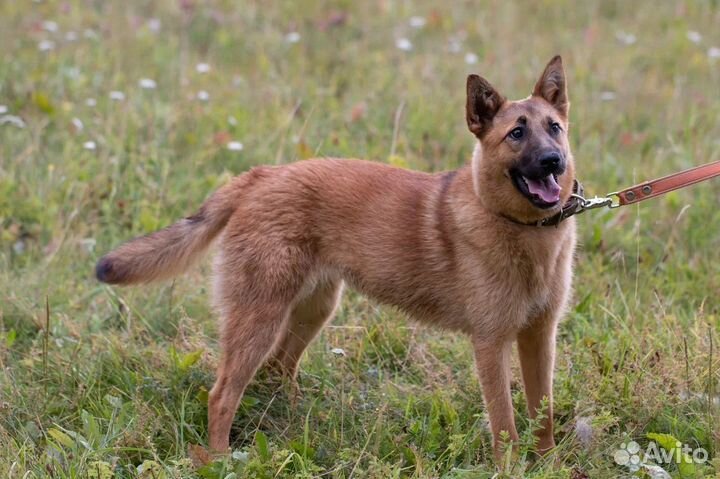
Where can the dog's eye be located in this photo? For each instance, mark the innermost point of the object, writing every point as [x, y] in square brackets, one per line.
[516, 133]
[555, 128]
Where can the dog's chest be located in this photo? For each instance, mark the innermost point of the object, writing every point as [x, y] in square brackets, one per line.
[525, 273]
[528, 274]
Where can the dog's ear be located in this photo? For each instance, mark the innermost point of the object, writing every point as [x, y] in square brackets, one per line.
[483, 102]
[551, 86]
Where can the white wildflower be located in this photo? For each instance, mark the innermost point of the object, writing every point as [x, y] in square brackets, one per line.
[91, 102]
[607, 95]
[117, 95]
[471, 58]
[78, 124]
[202, 68]
[88, 244]
[292, 37]
[90, 34]
[656, 472]
[713, 52]
[239, 455]
[232, 120]
[3, 109]
[72, 72]
[89, 145]
[584, 430]
[338, 351]
[626, 38]
[404, 44]
[694, 36]
[417, 22]
[147, 84]
[455, 45]
[71, 36]
[46, 45]
[202, 95]
[19, 247]
[154, 24]
[235, 146]
[50, 26]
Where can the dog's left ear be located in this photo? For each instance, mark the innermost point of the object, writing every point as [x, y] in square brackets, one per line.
[551, 86]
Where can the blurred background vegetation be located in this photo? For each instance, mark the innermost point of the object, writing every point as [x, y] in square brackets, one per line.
[116, 118]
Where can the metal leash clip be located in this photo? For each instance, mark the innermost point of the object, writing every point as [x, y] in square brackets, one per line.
[594, 203]
[577, 204]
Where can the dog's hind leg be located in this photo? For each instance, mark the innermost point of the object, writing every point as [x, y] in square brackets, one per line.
[249, 334]
[305, 322]
[255, 293]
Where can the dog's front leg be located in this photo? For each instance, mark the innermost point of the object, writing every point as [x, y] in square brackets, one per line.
[492, 358]
[536, 347]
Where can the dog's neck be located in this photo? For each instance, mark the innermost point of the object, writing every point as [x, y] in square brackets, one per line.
[475, 167]
[475, 174]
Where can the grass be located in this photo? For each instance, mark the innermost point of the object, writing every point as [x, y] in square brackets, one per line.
[100, 381]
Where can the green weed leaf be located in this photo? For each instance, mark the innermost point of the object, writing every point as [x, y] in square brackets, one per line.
[61, 438]
[203, 396]
[189, 359]
[43, 102]
[10, 338]
[91, 428]
[262, 445]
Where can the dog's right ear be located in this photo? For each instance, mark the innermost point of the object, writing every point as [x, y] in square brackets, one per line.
[483, 102]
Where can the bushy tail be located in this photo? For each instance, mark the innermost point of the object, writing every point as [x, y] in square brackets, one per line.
[172, 250]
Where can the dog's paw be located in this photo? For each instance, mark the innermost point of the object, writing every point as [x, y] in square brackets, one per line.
[199, 455]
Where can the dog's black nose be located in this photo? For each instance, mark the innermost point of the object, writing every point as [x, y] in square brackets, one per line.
[551, 162]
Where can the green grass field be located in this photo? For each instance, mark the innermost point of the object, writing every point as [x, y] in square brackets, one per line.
[113, 381]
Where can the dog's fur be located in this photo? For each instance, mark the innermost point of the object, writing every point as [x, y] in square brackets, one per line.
[450, 249]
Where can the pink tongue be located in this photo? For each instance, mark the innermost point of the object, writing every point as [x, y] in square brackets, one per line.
[546, 188]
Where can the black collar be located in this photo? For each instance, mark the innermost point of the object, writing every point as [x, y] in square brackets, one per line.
[573, 206]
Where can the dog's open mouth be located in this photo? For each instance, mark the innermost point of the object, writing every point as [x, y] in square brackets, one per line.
[542, 192]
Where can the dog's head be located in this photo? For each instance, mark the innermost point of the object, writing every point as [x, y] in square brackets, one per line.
[523, 167]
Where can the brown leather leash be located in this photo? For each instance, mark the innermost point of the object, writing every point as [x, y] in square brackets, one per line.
[642, 191]
[653, 188]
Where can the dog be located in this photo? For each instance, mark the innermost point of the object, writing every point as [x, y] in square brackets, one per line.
[459, 249]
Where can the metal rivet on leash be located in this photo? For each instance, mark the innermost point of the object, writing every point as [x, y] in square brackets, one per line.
[647, 189]
[630, 195]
